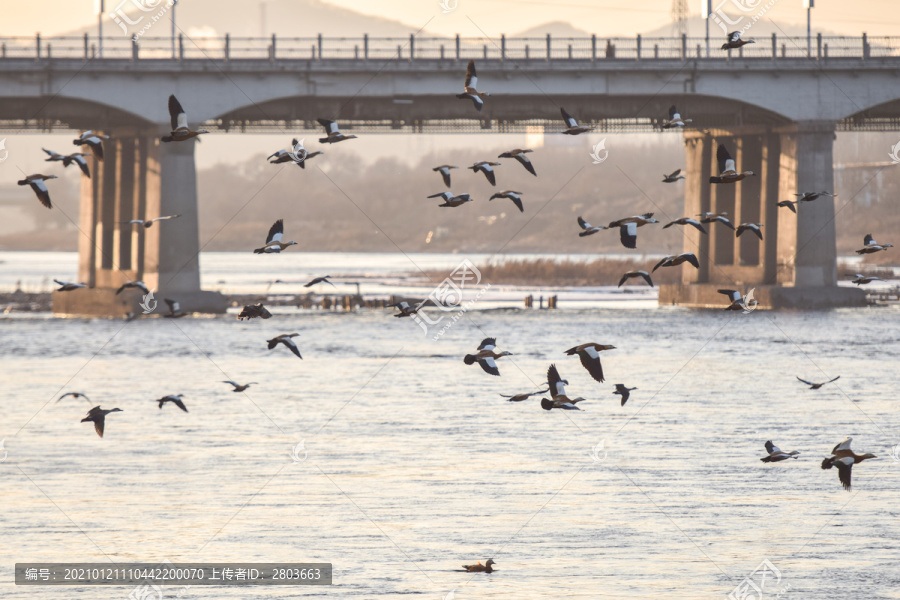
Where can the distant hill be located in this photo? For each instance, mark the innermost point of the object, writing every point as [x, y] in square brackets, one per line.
[287, 18]
[764, 28]
[555, 29]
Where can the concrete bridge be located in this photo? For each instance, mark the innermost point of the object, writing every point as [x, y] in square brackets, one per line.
[776, 106]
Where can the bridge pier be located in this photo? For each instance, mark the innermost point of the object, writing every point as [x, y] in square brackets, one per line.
[139, 178]
[795, 265]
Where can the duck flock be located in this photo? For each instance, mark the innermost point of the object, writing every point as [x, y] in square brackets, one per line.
[842, 457]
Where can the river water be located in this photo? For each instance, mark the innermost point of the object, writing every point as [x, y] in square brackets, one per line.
[412, 464]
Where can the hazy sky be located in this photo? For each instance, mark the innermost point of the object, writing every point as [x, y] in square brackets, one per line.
[877, 17]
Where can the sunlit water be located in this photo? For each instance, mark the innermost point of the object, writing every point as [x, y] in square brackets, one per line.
[416, 465]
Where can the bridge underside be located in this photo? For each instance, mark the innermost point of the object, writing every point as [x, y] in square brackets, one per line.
[433, 114]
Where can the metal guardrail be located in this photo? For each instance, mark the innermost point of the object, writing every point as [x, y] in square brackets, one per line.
[433, 48]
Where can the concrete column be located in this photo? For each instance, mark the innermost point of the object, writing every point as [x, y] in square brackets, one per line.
[698, 153]
[142, 146]
[806, 254]
[124, 206]
[87, 222]
[747, 201]
[143, 179]
[721, 239]
[106, 213]
[171, 248]
[769, 211]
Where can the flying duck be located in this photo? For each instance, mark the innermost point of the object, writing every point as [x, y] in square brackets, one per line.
[572, 126]
[844, 458]
[180, 130]
[333, 133]
[557, 389]
[521, 397]
[133, 284]
[486, 167]
[721, 217]
[273, 240]
[590, 357]
[68, 159]
[815, 386]
[869, 244]
[675, 119]
[452, 201]
[444, 170]
[628, 228]
[176, 400]
[74, 395]
[686, 221]
[737, 299]
[252, 311]
[587, 228]
[776, 454]
[405, 309]
[486, 356]
[98, 416]
[285, 339]
[470, 90]
[810, 196]
[297, 155]
[727, 171]
[673, 176]
[487, 567]
[674, 260]
[519, 155]
[174, 309]
[623, 391]
[631, 274]
[863, 279]
[516, 197]
[240, 388]
[789, 204]
[735, 41]
[754, 227]
[148, 223]
[65, 286]
[92, 140]
[323, 279]
[38, 184]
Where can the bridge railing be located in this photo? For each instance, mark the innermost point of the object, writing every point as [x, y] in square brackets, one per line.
[442, 48]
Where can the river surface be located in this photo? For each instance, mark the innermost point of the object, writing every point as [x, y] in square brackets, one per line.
[412, 464]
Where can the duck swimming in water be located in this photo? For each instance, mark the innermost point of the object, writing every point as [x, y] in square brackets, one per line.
[487, 567]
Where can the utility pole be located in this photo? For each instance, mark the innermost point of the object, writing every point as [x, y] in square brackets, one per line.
[705, 11]
[99, 9]
[809, 5]
[679, 17]
[174, 4]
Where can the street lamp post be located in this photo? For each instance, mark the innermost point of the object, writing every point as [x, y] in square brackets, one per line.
[99, 9]
[809, 5]
[705, 11]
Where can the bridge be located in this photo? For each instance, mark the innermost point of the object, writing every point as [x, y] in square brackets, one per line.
[775, 105]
